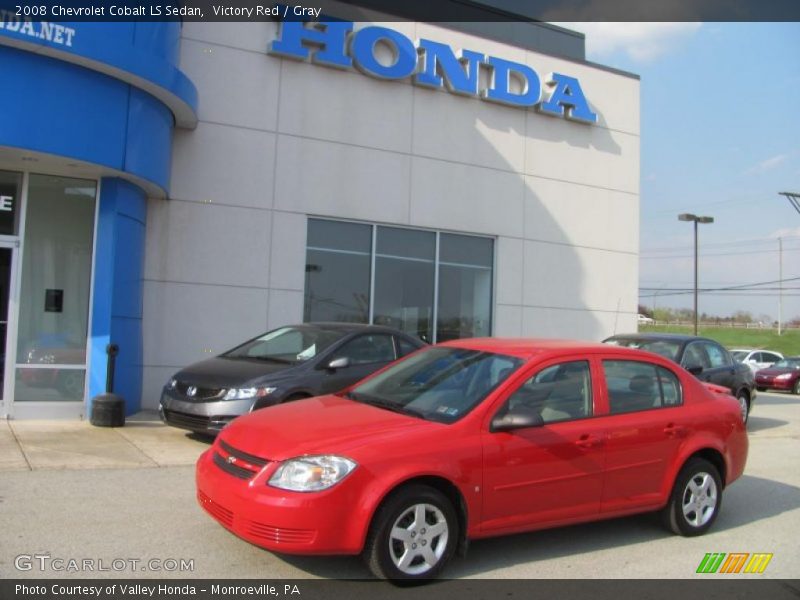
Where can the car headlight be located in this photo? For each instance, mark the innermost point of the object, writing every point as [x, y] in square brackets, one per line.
[311, 473]
[247, 393]
[784, 376]
[172, 384]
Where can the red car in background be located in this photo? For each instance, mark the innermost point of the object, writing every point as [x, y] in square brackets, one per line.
[783, 375]
[471, 439]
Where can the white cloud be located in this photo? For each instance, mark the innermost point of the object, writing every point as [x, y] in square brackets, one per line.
[642, 42]
[766, 165]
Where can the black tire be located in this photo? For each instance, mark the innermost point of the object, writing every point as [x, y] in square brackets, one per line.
[429, 545]
[796, 388]
[744, 403]
[761, 389]
[695, 500]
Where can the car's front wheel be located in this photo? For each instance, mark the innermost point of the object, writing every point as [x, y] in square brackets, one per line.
[695, 500]
[413, 535]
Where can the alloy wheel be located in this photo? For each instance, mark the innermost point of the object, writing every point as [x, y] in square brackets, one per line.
[700, 499]
[418, 539]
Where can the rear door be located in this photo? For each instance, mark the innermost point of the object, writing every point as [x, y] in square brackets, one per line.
[646, 425]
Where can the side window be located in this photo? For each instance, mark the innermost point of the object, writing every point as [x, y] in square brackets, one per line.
[368, 349]
[769, 357]
[717, 356]
[670, 387]
[404, 347]
[558, 393]
[634, 386]
[695, 356]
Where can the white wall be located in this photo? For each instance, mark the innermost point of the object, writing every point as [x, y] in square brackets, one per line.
[279, 140]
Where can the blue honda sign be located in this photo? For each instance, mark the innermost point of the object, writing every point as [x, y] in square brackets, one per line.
[432, 64]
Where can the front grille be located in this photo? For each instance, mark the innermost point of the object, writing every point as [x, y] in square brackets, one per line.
[186, 421]
[238, 463]
[231, 468]
[279, 535]
[251, 458]
[201, 393]
[220, 513]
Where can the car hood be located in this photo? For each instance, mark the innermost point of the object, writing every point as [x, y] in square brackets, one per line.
[321, 425]
[228, 372]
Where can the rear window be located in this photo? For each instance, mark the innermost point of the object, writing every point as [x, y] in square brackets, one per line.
[666, 348]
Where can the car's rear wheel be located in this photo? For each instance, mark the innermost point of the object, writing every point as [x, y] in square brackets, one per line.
[413, 535]
[744, 404]
[695, 500]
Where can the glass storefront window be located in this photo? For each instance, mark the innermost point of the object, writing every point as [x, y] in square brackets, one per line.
[55, 289]
[465, 287]
[338, 258]
[404, 280]
[342, 267]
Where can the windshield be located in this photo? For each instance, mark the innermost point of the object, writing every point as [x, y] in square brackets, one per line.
[287, 344]
[438, 384]
[667, 349]
[789, 363]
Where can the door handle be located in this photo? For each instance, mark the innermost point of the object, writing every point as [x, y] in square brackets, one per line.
[673, 430]
[589, 441]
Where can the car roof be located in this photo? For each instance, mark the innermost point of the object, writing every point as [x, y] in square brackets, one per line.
[350, 327]
[529, 347]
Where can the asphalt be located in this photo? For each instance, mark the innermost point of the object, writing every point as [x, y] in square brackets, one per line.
[144, 442]
[73, 491]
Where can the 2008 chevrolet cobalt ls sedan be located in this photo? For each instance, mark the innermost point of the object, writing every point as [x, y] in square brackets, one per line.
[471, 439]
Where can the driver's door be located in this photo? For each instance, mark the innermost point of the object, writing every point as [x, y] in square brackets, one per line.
[550, 473]
[365, 354]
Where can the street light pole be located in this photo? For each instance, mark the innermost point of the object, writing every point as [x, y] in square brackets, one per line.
[695, 219]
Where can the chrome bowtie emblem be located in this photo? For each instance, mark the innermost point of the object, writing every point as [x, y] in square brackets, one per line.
[191, 391]
[230, 460]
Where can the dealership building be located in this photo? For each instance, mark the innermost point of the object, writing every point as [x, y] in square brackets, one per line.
[178, 188]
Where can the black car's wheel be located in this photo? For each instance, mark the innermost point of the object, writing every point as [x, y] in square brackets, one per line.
[413, 535]
[744, 404]
[695, 500]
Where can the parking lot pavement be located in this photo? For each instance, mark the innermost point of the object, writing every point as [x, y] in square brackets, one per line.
[109, 513]
[64, 444]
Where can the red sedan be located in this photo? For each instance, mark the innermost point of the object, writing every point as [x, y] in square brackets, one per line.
[783, 375]
[471, 439]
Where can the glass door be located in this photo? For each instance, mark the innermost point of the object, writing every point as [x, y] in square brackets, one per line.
[7, 256]
[54, 294]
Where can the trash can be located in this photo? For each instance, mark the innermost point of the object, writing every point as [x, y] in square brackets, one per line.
[108, 410]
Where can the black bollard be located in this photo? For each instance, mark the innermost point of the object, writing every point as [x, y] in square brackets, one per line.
[108, 410]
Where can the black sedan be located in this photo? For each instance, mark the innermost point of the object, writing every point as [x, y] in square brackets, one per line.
[704, 358]
[286, 364]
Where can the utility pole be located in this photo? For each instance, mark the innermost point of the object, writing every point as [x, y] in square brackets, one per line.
[695, 219]
[780, 283]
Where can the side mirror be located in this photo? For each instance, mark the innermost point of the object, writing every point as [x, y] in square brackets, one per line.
[338, 363]
[694, 369]
[518, 418]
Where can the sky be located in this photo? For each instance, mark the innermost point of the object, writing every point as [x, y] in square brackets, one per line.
[720, 137]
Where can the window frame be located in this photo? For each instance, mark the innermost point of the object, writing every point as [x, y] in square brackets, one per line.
[657, 371]
[437, 261]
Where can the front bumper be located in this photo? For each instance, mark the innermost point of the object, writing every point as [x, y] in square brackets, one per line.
[326, 522]
[201, 417]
